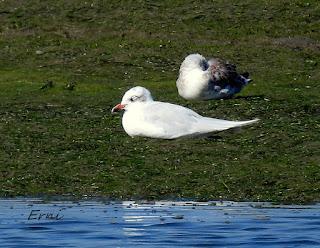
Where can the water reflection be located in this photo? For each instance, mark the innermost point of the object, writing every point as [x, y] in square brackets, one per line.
[36, 223]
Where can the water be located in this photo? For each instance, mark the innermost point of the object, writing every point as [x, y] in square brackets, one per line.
[35, 223]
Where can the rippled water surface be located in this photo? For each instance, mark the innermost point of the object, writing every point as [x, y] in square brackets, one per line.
[35, 223]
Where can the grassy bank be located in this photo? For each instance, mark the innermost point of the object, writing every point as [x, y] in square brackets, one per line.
[61, 141]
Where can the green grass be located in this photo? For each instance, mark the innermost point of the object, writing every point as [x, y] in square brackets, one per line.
[60, 142]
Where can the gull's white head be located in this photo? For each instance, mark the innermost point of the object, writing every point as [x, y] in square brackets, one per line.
[134, 95]
[193, 61]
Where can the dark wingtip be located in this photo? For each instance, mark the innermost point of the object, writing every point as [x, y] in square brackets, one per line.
[245, 74]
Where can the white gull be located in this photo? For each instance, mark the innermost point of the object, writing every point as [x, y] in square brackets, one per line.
[201, 79]
[148, 118]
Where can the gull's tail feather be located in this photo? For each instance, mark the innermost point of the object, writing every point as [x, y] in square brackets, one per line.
[211, 125]
[245, 77]
[245, 123]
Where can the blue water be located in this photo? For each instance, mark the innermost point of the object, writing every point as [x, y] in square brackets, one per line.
[35, 223]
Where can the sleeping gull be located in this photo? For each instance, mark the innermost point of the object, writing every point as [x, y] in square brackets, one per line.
[145, 117]
[201, 79]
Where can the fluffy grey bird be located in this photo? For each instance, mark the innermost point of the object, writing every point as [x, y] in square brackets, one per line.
[201, 79]
[145, 117]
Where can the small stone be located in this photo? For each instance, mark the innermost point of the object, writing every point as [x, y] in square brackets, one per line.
[39, 52]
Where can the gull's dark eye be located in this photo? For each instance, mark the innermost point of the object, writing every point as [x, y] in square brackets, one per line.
[204, 65]
[132, 99]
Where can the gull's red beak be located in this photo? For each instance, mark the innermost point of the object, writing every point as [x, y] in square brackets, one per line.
[118, 107]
